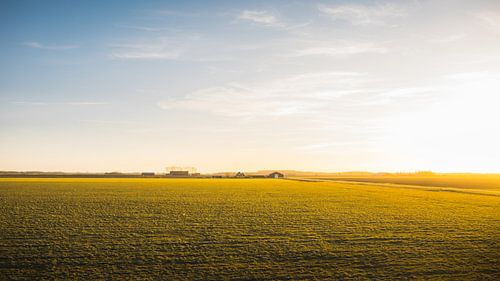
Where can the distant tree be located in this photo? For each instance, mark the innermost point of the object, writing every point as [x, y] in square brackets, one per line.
[429, 173]
[178, 168]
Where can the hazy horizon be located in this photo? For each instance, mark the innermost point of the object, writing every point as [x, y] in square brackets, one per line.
[164, 171]
[245, 86]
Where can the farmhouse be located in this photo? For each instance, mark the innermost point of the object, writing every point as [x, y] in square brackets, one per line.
[179, 174]
[239, 175]
[276, 175]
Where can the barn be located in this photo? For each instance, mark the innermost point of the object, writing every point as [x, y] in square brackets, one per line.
[276, 175]
[239, 175]
[179, 174]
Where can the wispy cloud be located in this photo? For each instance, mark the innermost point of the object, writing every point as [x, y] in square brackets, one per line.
[450, 38]
[340, 50]
[38, 45]
[261, 17]
[407, 92]
[310, 93]
[178, 47]
[71, 103]
[490, 19]
[176, 13]
[162, 50]
[146, 55]
[143, 27]
[86, 103]
[473, 76]
[34, 103]
[358, 14]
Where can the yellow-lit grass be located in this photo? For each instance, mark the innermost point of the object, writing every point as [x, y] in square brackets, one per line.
[485, 182]
[232, 228]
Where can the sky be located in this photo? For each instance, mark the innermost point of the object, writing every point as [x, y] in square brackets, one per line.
[398, 86]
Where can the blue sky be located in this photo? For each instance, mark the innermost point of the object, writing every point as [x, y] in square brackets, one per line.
[238, 85]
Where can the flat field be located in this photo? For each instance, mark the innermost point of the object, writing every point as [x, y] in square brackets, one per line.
[489, 183]
[243, 229]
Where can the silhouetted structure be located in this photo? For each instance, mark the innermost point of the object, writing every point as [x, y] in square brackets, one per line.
[239, 175]
[276, 175]
[258, 176]
[147, 174]
[179, 174]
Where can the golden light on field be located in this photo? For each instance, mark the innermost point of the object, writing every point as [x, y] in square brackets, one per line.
[250, 140]
[266, 229]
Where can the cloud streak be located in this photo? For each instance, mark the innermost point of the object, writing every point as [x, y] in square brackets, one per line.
[72, 103]
[146, 55]
[163, 49]
[38, 45]
[260, 17]
[340, 50]
[490, 19]
[357, 14]
[310, 93]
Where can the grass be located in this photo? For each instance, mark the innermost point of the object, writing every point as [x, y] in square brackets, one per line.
[486, 182]
[243, 229]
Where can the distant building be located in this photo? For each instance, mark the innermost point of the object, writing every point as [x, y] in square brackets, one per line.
[239, 175]
[147, 174]
[179, 173]
[276, 175]
[258, 176]
[195, 174]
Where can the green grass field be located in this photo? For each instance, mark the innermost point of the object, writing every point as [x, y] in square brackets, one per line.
[243, 229]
